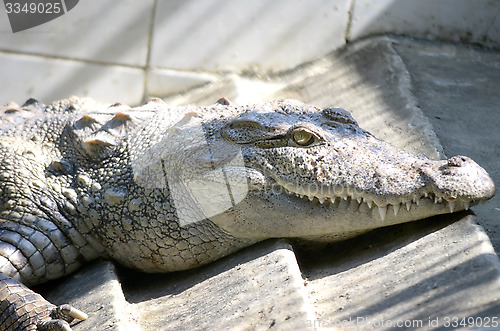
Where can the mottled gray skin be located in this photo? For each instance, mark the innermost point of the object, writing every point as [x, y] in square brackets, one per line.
[161, 189]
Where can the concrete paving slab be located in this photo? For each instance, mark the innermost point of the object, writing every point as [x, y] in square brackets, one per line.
[419, 275]
[256, 289]
[96, 290]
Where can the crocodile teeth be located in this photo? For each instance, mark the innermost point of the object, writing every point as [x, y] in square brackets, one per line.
[382, 211]
[396, 208]
[451, 205]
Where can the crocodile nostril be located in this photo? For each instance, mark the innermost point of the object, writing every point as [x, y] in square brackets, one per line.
[457, 161]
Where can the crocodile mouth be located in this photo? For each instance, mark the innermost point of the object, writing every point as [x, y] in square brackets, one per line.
[426, 200]
[354, 203]
[348, 199]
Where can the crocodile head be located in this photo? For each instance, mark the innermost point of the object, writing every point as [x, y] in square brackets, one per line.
[164, 189]
[311, 172]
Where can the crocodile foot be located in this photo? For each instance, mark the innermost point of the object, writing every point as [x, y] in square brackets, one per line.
[60, 317]
[23, 309]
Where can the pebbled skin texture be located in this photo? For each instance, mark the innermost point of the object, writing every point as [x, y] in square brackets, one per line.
[161, 189]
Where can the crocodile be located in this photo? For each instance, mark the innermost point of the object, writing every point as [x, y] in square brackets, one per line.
[160, 189]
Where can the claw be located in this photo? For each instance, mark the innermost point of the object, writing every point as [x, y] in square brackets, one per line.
[68, 313]
[78, 314]
[61, 317]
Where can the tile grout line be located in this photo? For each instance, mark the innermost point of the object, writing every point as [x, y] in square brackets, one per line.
[350, 13]
[70, 59]
[148, 51]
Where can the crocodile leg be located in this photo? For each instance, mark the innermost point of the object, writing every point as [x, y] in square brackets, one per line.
[31, 252]
[23, 309]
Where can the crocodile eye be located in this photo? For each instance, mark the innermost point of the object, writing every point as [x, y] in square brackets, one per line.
[303, 138]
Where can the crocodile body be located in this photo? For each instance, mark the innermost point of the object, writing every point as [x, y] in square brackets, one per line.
[161, 188]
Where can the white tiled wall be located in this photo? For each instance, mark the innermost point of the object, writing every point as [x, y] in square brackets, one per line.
[23, 76]
[228, 35]
[476, 21]
[109, 31]
[125, 50]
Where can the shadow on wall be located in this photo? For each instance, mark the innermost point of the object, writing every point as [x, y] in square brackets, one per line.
[463, 21]
[234, 35]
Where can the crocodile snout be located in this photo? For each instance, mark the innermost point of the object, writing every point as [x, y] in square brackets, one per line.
[460, 176]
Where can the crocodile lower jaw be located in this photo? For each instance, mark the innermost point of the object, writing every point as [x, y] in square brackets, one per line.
[452, 204]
